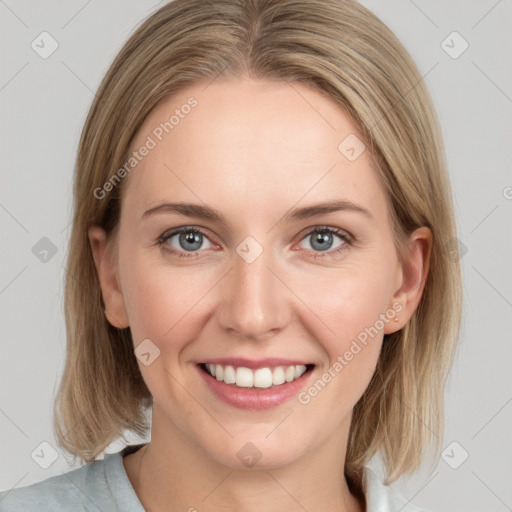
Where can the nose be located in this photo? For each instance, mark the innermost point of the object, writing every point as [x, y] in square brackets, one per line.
[254, 299]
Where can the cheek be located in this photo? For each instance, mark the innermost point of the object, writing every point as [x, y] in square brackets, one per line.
[350, 332]
[350, 305]
[162, 301]
[348, 301]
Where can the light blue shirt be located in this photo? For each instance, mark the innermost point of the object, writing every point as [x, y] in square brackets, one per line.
[103, 486]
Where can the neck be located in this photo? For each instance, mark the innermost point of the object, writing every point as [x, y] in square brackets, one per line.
[173, 473]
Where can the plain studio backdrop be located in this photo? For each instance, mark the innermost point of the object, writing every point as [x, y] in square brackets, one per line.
[54, 55]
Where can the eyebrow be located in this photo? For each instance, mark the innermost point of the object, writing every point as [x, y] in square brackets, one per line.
[208, 213]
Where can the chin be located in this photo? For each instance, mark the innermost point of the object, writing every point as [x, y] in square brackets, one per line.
[260, 453]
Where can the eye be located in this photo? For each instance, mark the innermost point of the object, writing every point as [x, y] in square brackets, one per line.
[322, 239]
[186, 240]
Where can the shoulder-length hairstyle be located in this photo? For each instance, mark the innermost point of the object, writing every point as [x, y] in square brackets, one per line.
[341, 49]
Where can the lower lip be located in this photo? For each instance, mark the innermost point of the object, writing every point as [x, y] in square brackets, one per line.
[254, 399]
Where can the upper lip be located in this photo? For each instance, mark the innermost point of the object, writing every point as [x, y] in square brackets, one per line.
[254, 363]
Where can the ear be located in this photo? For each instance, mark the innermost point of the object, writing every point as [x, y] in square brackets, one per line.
[107, 275]
[411, 279]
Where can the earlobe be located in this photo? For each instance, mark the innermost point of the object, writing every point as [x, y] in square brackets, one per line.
[413, 278]
[111, 292]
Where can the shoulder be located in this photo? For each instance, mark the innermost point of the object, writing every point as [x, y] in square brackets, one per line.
[382, 498]
[75, 490]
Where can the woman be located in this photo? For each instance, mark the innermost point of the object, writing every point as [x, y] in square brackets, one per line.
[261, 254]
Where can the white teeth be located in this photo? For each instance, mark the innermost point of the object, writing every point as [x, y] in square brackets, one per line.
[229, 375]
[244, 377]
[278, 376]
[299, 370]
[261, 378]
[289, 374]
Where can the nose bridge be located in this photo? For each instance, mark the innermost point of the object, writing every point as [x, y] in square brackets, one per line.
[254, 301]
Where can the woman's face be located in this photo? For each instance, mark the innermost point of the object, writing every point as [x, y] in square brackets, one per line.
[271, 278]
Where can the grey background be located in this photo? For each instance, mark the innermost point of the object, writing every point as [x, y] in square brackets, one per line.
[44, 104]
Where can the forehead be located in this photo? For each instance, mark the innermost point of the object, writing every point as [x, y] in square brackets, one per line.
[243, 142]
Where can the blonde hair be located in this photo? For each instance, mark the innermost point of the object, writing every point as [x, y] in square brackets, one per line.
[342, 50]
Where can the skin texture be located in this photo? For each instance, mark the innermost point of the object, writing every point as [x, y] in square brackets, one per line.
[253, 150]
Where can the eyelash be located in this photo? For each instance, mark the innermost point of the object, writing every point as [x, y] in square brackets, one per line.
[346, 237]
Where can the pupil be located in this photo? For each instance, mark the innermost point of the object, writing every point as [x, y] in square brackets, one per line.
[191, 238]
[323, 240]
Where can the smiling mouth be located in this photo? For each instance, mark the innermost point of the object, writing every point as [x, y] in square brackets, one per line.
[263, 378]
